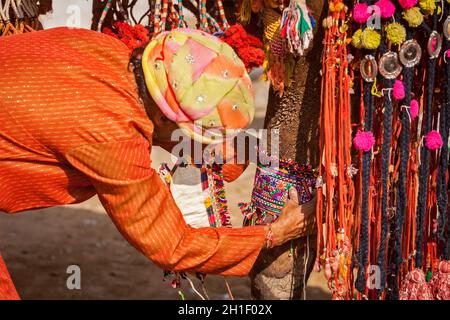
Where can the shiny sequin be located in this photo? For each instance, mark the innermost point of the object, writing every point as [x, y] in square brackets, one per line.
[201, 99]
[190, 58]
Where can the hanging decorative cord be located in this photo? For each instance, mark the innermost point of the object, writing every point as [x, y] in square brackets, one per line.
[104, 14]
[415, 285]
[194, 289]
[424, 161]
[444, 222]
[181, 22]
[334, 185]
[400, 209]
[164, 14]
[444, 127]
[18, 16]
[203, 17]
[385, 165]
[157, 17]
[222, 15]
[122, 11]
[360, 283]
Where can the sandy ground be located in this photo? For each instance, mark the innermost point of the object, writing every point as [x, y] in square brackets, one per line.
[38, 246]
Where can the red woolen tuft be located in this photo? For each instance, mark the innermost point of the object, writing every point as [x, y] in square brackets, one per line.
[132, 37]
[247, 47]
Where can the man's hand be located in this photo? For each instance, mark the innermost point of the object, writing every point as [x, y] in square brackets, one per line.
[295, 220]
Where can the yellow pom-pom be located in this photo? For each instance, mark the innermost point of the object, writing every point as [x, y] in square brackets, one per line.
[427, 6]
[395, 33]
[356, 39]
[339, 6]
[413, 16]
[331, 7]
[370, 39]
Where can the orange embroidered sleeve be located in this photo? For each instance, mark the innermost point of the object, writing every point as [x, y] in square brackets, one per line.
[144, 211]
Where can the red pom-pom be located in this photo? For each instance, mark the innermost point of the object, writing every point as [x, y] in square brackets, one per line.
[361, 12]
[414, 109]
[433, 140]
[387, 8]
[364, 140]
[407, 4]
[399, 90]
[247, 47]
[133, 37]
[415, 287]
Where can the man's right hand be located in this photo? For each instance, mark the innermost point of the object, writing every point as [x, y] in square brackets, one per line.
[295, 220]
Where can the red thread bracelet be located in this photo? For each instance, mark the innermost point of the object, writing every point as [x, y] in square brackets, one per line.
[270, 238]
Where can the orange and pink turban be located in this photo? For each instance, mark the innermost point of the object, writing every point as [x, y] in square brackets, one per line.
[198, 82]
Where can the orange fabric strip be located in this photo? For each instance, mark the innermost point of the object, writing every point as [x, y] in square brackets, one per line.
[7, 289]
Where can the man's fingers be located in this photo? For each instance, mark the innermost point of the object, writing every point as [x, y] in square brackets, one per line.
[293, 195]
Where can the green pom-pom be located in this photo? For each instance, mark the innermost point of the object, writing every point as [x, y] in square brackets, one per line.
[370, 39]
[427, 6]
[395, 33]
[429, 276]
[413, 16]
[356, 39]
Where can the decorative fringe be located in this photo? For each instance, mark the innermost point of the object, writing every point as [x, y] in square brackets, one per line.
[219, 195]
[285, 36]
[274, 66]
[20, 17]
[296, 27]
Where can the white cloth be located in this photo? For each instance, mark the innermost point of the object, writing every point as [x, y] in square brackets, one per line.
[186, 188]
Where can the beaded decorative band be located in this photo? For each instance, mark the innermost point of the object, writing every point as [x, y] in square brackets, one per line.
[270, 190]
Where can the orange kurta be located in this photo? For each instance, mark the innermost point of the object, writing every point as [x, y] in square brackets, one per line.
[72, 126]
[7, 289]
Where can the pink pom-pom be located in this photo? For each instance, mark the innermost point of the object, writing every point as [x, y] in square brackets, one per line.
[361, 12]
[364, 140]
[387, 8]
[433, 140]
[447, 53]
[407, 4]
[414, 109]
[399, 90]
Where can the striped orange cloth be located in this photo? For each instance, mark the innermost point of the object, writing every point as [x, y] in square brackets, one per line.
[7, 289]
[72, 126]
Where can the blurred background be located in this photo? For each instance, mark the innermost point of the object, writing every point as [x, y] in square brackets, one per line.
[39, 245]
